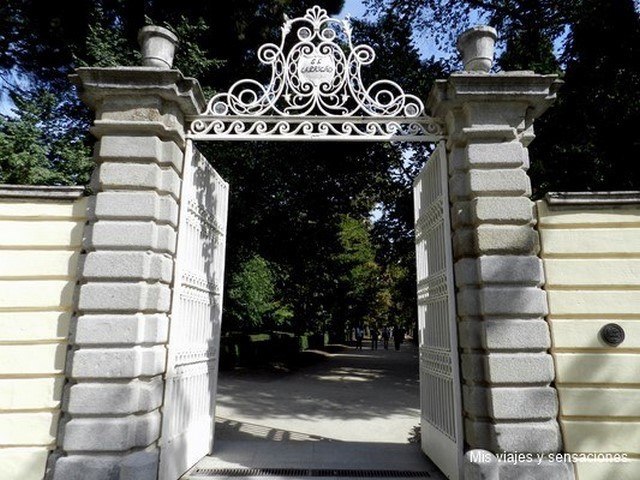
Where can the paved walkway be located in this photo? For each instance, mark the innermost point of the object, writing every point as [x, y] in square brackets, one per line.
[348, 410]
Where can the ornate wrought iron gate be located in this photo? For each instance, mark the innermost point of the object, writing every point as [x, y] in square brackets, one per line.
[440, 399]
[194, 336]
[315, 93]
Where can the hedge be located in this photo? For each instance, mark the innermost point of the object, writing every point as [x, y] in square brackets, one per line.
[251, 350]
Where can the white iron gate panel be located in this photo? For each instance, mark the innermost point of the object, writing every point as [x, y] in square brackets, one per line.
[440, 400]
[194, 333]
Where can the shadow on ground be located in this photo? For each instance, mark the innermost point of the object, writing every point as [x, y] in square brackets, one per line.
[249, 446]
[346, 385]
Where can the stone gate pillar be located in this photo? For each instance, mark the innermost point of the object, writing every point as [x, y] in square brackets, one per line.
[111, 403]
[509, 402]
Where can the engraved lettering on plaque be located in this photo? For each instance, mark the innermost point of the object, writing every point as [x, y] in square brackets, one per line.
[316, 69]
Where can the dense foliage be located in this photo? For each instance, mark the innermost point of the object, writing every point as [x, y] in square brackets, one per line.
[304, 251]
[588, 141]
[252, 303]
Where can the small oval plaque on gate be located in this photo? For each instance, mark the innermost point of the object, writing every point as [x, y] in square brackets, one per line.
[316, 68]
[612, 334]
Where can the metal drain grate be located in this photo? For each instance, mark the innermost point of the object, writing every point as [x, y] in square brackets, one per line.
[249, 472]
[298, 472]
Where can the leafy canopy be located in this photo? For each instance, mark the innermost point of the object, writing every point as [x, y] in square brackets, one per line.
[303, 251]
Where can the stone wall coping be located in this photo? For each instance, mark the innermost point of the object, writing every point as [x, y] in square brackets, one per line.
[95, 84]
[41, 192]
[594, 199]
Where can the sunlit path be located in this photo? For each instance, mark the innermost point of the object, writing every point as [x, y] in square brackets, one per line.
[351, 395]
[349, 409]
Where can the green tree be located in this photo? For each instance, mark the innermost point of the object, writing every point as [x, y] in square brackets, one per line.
[286, 200]
[41, 43]
[586, 141]
[37, 146]
[532, 24]
[252, 303]
[589, 140]
[358, 280]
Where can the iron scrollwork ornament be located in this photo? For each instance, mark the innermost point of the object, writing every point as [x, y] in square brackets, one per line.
[315, 91]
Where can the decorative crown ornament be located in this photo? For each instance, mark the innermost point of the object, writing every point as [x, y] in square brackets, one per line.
[315, 91]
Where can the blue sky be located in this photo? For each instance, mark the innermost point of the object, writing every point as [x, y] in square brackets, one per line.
[425, 46]
[354, 7]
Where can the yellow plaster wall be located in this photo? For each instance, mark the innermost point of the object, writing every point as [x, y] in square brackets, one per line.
[591, 255]
[40, 244]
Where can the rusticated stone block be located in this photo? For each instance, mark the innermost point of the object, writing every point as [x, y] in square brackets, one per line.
[499, 182]
[516, 334]
[544, 470]
[132, 149]
[496, 335]
[121, 329]
[532, 437]
[521, 270]
[508, 368]
[139, 176]
[140, 114]
[129, 362]
[121, 235]
[513, 301]
[111, 434]
[504, 403]
[90, 466]
[506, 239]
[489, 183]
[115, 265]
[496, 240]
[493, 210]
[496, 155]
[136, 206]
[114, 398]
[459, 189]
[465, 243]
[140, 465]
[502, 210]
[516, 302]
[103, 296]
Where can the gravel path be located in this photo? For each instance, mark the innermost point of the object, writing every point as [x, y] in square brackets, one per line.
[351, 395]
[352, 410]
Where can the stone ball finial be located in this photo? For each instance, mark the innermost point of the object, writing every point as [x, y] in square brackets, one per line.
[158, 46]
[477, 46]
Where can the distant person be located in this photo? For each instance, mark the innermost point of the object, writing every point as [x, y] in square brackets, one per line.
[385, 337]
[398, 336]
[359, 337]
[374, 338]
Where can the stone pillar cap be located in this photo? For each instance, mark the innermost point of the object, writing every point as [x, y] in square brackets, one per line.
[97, 83]
[538, 91]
